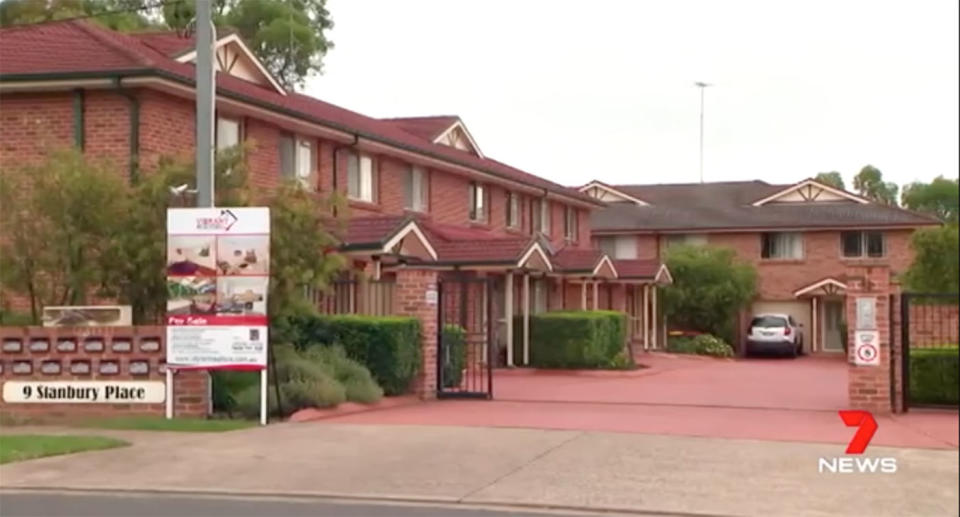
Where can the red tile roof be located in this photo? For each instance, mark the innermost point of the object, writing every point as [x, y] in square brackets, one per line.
[492, 250]
[428, 128]
[570, 259]
[76, 46]
[372, 230]
[169, 43]
[636, 268]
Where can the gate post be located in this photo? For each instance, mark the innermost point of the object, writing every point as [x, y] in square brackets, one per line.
[868, 316]
[413, 298]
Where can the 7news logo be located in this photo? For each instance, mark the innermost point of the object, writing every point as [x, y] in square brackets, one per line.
[866, 427]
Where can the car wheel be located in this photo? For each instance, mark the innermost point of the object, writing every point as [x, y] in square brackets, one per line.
[794, 352]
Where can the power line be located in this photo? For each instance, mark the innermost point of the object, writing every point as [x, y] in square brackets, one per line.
[128, 10]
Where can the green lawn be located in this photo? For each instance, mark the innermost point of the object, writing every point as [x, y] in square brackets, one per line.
[149, 423]
[19, 447]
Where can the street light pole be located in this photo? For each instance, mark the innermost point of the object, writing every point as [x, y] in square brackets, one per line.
[703, 86]
[205, 91]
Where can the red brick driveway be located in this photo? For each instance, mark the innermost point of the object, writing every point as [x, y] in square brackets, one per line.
[765, 399]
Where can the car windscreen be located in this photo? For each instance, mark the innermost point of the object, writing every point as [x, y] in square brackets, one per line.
[768, 322]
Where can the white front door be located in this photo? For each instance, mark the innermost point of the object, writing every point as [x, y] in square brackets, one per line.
[833, 325]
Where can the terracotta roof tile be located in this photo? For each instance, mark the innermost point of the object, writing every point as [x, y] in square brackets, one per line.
[636, 268]
[428, 128]
[570, 259]
[371, 230]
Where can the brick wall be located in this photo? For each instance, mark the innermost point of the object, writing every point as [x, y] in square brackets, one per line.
[411, 301]
[31, 124]
[778, 279]
[95, 354]
[933, 325]
[869, 386]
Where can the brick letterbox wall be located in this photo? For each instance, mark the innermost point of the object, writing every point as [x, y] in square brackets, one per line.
[95, 354]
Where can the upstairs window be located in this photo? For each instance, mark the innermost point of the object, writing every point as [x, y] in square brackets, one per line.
[228, 133]
[513, 210]
[689, 239]
[416, 189]
[360, 177]
[478, 203]
[782, 246]
[619, 247]
[540, 215]
[298, 159]
[862, 244]
[571, 224]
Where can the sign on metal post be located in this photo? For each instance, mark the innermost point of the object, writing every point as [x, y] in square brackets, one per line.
[218, 275]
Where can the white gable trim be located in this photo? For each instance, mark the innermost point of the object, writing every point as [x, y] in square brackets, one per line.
[408, 229]
[605, 260]
[663, 275]
[245, 50]
[459, 124]
[811, 183]
[817, 285]
[535, 248]
[612, 191]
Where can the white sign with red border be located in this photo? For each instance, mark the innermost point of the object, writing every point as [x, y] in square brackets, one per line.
[866, 347]
[218, 275]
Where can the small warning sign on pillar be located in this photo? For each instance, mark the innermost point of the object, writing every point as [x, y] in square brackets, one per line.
[866, 348]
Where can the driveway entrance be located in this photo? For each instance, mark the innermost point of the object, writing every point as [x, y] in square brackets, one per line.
[810, 383]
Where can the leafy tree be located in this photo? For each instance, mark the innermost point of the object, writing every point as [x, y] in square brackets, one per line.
[869, 183]
[936, 262]
[710, 287]
[940, 197]
[60, 219]
[833, 178]
[288, 36]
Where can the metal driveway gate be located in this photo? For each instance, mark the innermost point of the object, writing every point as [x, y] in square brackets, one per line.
[931, 359]
[465, 348]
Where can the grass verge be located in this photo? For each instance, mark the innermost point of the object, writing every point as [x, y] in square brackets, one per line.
[19, 447]
[149, 423]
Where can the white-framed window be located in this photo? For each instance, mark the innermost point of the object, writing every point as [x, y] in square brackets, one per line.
[416, 189]
[539, 287]
[360, 177]
[862, 244]
[540, 214]
[478, 202]
[298, 159]
[228, 133]
[571, 223]
[513, 210]
[619, 246]
[781, 245]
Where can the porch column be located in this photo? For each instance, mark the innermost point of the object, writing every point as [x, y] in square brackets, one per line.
[645, 310]
[596, 296]
[653, 316]
[583, 294]
[508, 311]
[813, 324]
[526, 319]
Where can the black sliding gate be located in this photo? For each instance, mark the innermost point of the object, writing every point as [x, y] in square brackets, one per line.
[465, 349]
[931, 359]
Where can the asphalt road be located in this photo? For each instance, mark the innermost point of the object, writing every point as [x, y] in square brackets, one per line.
[52, 504]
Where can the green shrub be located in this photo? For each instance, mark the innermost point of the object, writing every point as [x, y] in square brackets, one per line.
[703, 344]
[227, 385]
[355, 378]
[247, 401]
[573, 339]
[389, 346]
[935, 375]
[454, 343]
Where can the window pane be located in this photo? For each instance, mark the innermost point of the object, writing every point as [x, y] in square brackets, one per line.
[850, 241]
[353, 176]
[608, 245]
[874, 244]
[228, 133]
[545, 216]
[536, 214]
[408, 188]
[305, 160]
[625, 247]
[286, 156]
[423, 189]
[366, 178]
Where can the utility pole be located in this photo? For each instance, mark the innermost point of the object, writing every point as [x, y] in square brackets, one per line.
[703, 86]
[205, 107]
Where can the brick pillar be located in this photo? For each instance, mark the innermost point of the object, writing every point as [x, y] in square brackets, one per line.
[868, 387]
[412, 300]
[896, 348]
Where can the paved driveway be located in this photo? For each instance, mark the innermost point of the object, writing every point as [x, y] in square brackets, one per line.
[805, 383]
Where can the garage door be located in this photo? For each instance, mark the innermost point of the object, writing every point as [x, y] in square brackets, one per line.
[800, 310]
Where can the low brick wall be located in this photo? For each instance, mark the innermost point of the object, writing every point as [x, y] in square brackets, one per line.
[933, 325]
[95, 354]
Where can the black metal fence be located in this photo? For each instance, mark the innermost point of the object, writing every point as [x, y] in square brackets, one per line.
[465, 348]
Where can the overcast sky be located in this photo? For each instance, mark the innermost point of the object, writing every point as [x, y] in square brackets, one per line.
[577, 90]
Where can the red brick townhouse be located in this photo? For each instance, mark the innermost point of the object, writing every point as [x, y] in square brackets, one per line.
[800, 237]
[421, 192]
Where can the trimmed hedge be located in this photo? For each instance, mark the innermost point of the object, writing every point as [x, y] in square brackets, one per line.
[454, 342]
[574, 339]
[935, 375]
[389, 346]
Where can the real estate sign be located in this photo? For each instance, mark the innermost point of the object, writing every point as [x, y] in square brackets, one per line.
[218, 273]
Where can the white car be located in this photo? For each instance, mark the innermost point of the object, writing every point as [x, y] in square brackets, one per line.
[775, 333]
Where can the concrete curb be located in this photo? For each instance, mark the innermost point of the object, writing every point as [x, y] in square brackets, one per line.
[439, 501]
